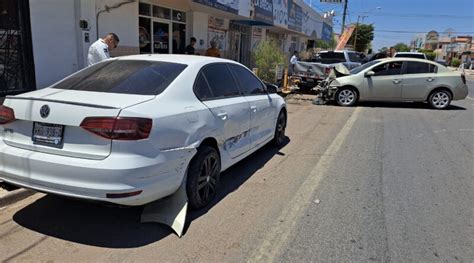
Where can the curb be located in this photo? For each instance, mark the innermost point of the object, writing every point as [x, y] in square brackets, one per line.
[15, 196]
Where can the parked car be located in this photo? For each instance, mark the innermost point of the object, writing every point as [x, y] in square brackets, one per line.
[130, 130]
[398, 79]
[410, 55]
[350, 59]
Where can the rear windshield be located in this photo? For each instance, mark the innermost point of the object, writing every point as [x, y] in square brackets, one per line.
[330, 57]
[422, 56]
[138, 77]
[354, 57]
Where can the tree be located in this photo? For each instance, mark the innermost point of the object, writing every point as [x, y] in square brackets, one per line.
[365, 35]
[429, 54]
[267, 57]
[401, 47]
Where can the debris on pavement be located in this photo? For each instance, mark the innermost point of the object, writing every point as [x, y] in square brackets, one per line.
[317, 201]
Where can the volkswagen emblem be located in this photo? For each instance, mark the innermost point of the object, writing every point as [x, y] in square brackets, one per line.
[44, 111]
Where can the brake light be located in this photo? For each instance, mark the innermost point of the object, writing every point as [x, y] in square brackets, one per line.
[119, 128]
[7, 115]
[463, 78]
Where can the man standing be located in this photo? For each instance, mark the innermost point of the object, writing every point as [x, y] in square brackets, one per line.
[293, 61]
[190, 48]
[99, 50]
[213, 51]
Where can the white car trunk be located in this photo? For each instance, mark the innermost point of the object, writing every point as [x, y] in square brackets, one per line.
[68, 108]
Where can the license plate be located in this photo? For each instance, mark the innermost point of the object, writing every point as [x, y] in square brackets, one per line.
[48, 133]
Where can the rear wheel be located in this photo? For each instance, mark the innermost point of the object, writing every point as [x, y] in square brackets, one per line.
[203, 177]
[440, 99]
[346, 97]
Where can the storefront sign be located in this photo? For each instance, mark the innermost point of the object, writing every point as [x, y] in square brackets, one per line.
[218, 36]
[327, 32]
[295, 15]
[264, 10]
[215, 22]
[280, 13]
[231, 6]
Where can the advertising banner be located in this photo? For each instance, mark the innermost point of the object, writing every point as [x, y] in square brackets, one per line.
[231, 6]
[263, 10]
[327, 32]
[280, 13]
[295, 16]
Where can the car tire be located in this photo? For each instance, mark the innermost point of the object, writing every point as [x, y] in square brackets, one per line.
[203, 177]
[280, 127]
[346, 97]
[439, 99]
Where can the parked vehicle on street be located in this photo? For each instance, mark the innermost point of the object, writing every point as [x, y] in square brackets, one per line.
[397, 79]
[410, 55]
[129, 130]
[350, 59]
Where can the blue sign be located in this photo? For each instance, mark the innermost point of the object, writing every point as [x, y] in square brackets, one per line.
[326, 35]
[295, 16]
[264, 10]
[230, 6]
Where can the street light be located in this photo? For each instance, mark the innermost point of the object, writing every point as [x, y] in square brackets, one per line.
[357, 25]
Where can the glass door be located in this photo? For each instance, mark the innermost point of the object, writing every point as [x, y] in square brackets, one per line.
[161, 37]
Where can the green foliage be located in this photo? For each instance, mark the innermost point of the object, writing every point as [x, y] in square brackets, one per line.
[401, 47]
[429, 54]
[267, 57]
[455, 62]
[323, 44]
[365, 35]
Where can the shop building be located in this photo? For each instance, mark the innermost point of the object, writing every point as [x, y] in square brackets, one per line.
[42, 41]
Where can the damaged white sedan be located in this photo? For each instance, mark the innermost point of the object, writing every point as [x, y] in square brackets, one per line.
[131, 130]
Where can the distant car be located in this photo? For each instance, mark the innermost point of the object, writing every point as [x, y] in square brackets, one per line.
[410, 55]
[350, 59]
[399, 79]
[130, 130]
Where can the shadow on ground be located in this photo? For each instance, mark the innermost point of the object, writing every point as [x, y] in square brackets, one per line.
[115, 227]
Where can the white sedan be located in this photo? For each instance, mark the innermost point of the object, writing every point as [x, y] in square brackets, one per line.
[130, 130]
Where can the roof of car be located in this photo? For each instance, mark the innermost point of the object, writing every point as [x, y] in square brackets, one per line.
[406, 59]
[181, 59]
[407, 53]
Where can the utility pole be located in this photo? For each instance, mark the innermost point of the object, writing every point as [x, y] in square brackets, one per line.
[344, 16]
[357, 29]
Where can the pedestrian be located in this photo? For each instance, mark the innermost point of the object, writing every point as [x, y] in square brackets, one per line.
[392, 52]
[100, 49]
[293, 60]
[213, 51]
[189, 49]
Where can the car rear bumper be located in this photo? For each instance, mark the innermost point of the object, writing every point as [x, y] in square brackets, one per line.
[460, 92]
[156, 177]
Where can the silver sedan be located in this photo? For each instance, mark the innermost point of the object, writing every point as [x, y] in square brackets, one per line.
[400, 79]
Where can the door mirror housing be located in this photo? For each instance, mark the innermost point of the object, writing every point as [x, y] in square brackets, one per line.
[271, 88]
[369, 73]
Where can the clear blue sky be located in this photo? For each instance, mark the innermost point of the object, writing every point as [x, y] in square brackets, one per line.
[405, 15]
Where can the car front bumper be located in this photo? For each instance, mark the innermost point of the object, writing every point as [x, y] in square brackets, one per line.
[155, 177]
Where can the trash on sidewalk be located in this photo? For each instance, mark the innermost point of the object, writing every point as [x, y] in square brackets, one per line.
[317, 201]
[170, 211]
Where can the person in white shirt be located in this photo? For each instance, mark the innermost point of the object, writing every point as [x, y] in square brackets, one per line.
[99, 50]
[293, 61]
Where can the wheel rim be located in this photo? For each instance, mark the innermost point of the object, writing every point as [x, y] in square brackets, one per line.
[346, 97]
[207, 180]
[280, 129]
[440, 99]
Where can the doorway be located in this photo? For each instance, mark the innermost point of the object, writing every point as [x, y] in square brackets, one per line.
[161, 38]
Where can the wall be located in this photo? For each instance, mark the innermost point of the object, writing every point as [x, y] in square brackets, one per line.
[199, 30]
[54, 43]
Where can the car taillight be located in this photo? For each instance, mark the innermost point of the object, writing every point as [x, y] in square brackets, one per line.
[7, 115]
[119, 128]
[463, 78]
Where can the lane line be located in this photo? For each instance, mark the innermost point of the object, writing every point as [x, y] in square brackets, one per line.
[279, 234]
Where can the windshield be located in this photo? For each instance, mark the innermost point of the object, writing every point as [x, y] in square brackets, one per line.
[364, 66]
[138, 77]
[330, 57]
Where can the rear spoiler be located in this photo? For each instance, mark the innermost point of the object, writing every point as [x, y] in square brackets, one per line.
[62, 101]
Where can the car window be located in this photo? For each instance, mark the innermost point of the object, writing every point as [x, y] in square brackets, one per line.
[421, 56]
[433, 69]
[248, 83]
[392, 68]
[330, 57]
[364, 66]
[139, 77]
[418, 67]
[354, 57]
[220, 80]
[201, 88]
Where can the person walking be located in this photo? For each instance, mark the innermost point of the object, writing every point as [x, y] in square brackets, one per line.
[213, 51]
[189, 49]
[100, 49]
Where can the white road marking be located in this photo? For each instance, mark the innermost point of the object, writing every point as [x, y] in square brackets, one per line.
[279, 234]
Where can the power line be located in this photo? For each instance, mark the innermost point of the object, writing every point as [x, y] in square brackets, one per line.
[416, 15]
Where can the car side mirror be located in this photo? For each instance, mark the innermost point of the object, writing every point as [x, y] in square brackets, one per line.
[369, 73]
[271, 88]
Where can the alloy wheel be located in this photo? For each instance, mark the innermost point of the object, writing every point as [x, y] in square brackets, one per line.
[207, 180]
[280, 129]
[346, 97]
[440, 99]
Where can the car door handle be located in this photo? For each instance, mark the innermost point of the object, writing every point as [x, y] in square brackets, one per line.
[396, 81]
[429, 79]
[223, 115]
[253, 108]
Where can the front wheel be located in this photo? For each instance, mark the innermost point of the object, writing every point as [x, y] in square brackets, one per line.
[440, 99]
[279, 138]
[346, 97]
[203, 177]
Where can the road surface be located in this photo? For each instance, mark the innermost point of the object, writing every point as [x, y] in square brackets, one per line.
[378, 182]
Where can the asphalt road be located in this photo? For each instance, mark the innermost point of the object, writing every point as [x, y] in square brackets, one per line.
[379, 182]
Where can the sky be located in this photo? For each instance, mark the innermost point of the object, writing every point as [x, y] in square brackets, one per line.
[405, 15]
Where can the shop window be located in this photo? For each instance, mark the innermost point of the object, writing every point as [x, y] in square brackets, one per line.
[144, 37]
[161, 12]
[144, 9]
[179, 38]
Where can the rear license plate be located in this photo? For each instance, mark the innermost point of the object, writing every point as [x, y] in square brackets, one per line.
[48, 133]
